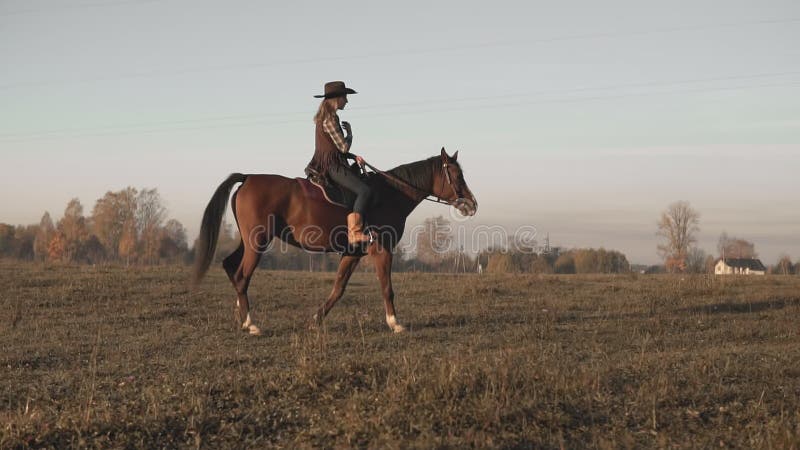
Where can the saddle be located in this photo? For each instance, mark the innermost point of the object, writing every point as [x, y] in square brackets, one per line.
[318, 186]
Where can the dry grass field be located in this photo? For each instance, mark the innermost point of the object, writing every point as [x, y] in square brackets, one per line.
[113, 357]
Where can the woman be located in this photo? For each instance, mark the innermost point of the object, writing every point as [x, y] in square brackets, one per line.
[332, 150]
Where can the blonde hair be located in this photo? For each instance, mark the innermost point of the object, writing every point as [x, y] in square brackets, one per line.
[327, 109]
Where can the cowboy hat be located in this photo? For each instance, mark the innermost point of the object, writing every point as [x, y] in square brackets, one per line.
[335, 89]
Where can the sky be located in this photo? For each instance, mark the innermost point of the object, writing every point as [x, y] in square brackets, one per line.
[582, 120]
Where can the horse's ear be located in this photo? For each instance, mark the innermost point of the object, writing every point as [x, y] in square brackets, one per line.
[455, 155]
[444, 155]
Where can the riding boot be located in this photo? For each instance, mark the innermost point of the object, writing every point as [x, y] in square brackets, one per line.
[355, 229]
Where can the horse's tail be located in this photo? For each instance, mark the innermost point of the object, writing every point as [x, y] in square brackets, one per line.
[212, 221]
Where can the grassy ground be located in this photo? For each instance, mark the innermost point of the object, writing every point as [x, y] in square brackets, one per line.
[114, 357]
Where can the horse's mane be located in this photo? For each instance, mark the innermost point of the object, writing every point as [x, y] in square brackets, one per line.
[418, 174]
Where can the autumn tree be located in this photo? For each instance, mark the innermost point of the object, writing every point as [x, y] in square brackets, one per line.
[173, 241]
[127, 242]
[74, 230]
[586, 261]
[44, 234]
[677, 226]
[109, 216]
[56, 247]
[500, 263]
[126, 225]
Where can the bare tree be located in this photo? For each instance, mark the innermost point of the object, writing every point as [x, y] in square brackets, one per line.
[150, 214]
[434, 239]
[678, 225]
[696, 261]
[733, 247]
[784, 266]
[150, 210]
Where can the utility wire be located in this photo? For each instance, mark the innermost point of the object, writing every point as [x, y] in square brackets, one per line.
[590, 99]
[397, 113]
[386, 105]
[394, 105]
[62, 8]
[408, 52]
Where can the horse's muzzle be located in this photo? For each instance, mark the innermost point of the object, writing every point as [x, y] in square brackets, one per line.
[466, 206]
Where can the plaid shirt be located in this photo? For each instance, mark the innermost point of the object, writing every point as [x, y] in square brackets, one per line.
[334, 130]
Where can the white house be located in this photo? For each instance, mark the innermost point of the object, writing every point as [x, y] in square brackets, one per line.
[739, 266]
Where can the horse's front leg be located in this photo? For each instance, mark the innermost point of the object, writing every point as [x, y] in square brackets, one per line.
[383, 269]
[347, 265]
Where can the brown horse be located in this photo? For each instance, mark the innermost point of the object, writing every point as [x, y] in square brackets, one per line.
[270, 206]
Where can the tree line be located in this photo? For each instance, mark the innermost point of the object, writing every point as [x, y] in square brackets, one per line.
[129, 226]
[437, 251]
[572, 261]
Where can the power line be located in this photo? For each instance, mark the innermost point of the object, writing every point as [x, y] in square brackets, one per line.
[591, 99]
[51, 8]
[394, 105]
[396, 113]
[151, 124]
[585, 89]
[407, 52]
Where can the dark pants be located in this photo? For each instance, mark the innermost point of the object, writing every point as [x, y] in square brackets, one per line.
[345, 178]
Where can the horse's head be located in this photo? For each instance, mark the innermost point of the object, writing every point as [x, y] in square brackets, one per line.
[449, 185]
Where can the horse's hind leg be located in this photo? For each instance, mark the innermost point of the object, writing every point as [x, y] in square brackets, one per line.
[241, 282]
[241, 264]
[231, 265]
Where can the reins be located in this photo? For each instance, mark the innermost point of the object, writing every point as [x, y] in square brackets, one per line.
[408, 187]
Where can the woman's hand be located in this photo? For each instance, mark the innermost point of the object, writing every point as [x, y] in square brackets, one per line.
[346, 126]
[360, 161]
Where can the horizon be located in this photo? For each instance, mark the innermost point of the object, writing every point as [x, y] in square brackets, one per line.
[584, 126]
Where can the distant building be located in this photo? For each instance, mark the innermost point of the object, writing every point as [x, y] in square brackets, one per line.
[739, 266]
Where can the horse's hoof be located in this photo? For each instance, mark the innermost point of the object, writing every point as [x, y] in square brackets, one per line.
[396, 327]
[254, 330]
[316, 321]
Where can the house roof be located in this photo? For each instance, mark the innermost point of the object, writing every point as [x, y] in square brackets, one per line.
[745, 263]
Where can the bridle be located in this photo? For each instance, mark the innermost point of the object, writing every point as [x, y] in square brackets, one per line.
[419, 193]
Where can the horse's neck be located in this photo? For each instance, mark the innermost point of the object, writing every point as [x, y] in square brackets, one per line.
[418, 174]
[401, 202]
